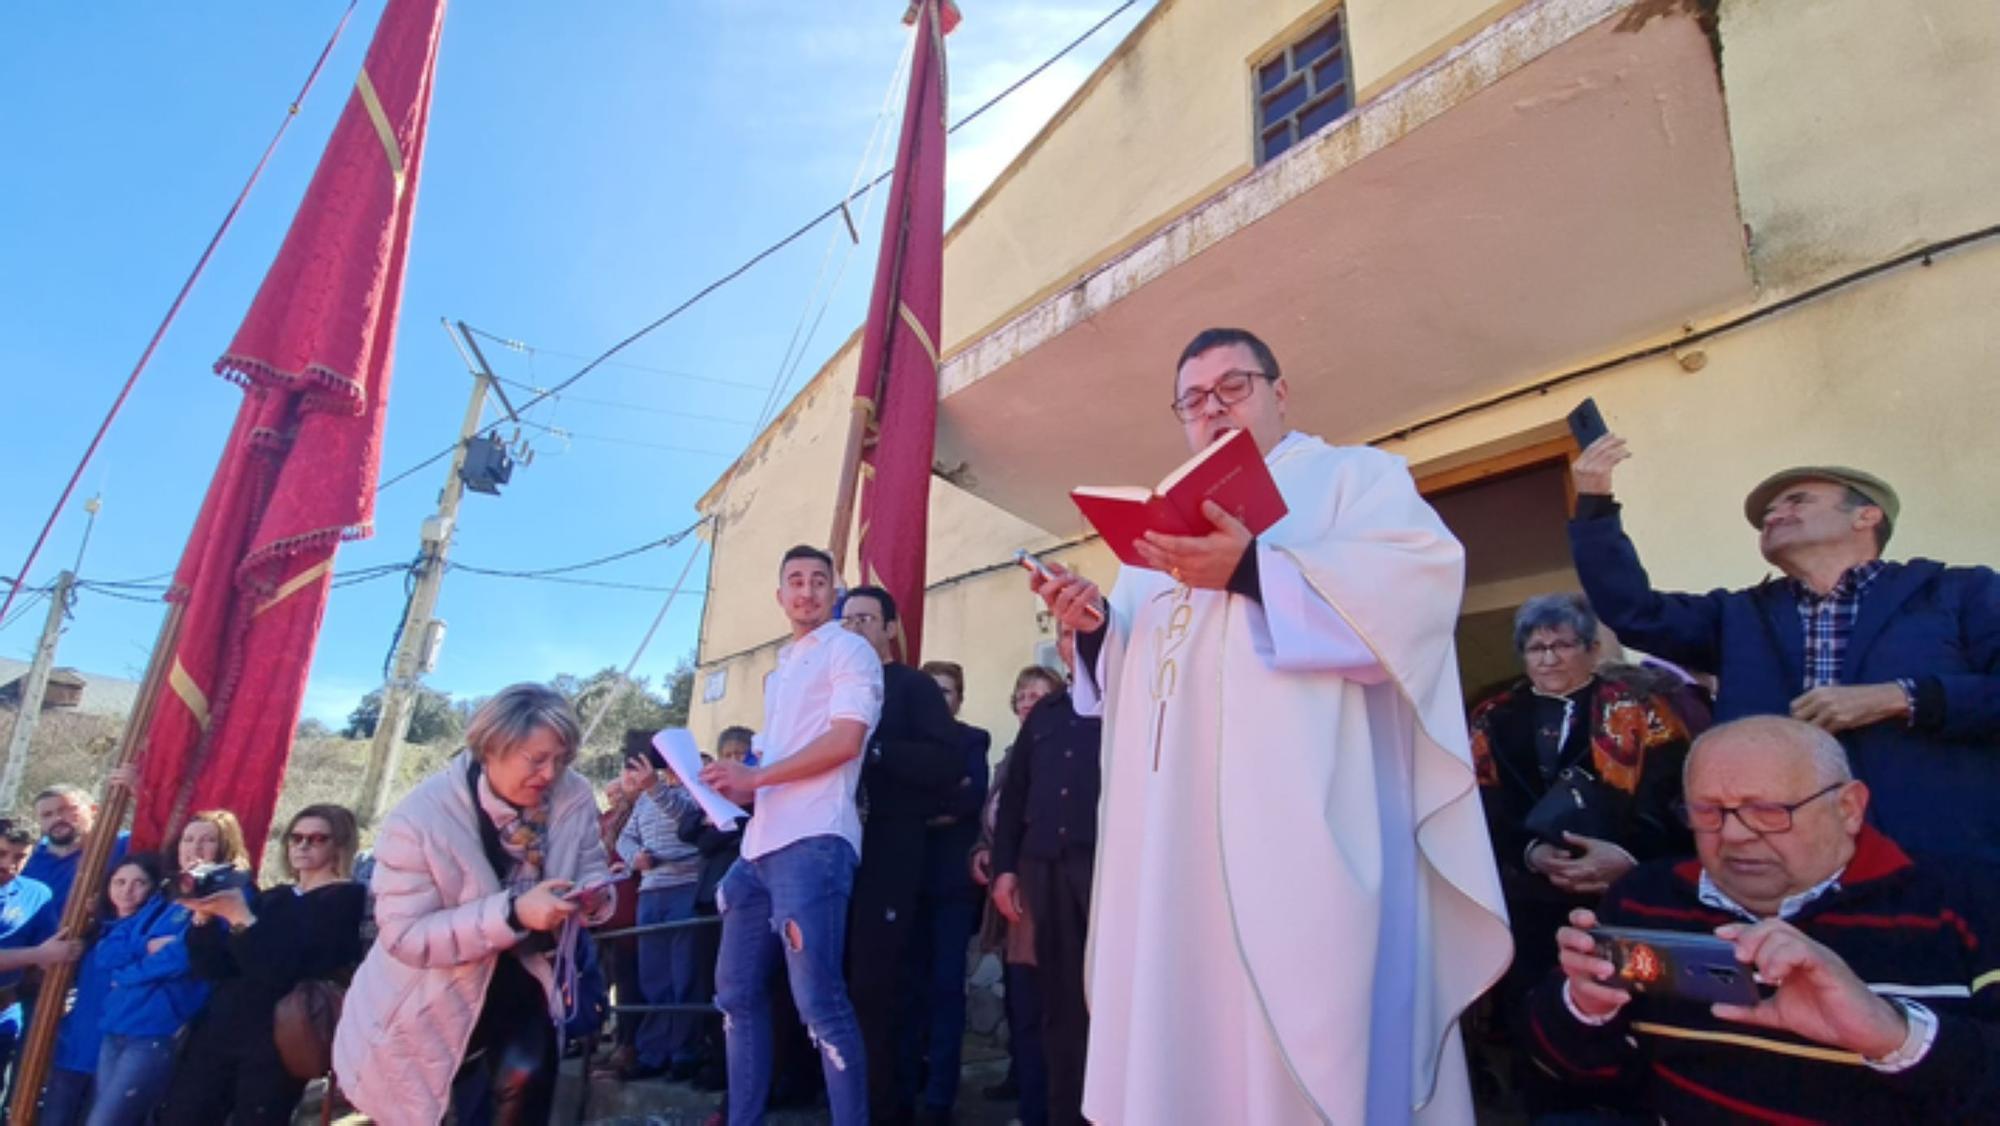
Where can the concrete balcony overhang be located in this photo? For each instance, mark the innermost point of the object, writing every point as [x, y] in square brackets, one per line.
[1558, 187]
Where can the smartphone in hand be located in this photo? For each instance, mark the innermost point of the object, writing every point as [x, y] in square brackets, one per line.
[1690, 966]
[1586, 424]
[1031, 563]
[588, 895]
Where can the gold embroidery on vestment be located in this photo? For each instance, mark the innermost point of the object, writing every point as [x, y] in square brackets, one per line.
[1167, 641]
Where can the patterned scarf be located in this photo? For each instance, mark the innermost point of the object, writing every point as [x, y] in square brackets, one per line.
[524, 833]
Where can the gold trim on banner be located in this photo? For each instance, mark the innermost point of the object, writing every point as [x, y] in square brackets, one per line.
[1990, 977]
[373, 104]
[916, 326]
[294, 585]
[190, 693]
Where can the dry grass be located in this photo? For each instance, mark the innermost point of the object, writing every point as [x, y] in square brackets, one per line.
[77, 749]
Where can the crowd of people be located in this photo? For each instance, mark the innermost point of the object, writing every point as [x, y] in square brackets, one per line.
[184, 968]
[1248, 856]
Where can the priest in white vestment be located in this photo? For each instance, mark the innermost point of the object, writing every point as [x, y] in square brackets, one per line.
[1294, 898]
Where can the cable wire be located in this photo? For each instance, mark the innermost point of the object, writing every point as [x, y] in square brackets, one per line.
[796, 234]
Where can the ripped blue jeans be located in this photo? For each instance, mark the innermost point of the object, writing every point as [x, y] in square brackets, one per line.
[792, 902]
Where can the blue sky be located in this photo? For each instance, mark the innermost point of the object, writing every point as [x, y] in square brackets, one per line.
[589, 167]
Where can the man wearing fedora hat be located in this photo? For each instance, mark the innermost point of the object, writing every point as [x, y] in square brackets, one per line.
[1900, 660]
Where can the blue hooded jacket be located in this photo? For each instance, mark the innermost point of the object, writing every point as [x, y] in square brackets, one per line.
[123, 990]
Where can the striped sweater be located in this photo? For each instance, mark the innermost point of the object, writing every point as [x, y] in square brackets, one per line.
[654, 827]
[1924, 935]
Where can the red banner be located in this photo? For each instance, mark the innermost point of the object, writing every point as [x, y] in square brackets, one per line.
[898, 381]
[297, 475]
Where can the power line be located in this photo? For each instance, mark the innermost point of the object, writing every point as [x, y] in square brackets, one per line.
[1922, 254]
[542, 572]
[565, 432]
[604, 584]
[513, 345]
[641, 407]
[801, 231]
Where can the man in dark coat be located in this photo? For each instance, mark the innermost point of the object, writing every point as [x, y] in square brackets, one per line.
[1900, 660]
[912, 762]
[947, 909]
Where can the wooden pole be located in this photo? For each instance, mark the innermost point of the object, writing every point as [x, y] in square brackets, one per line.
[850, 480]
[862, 412]
[406, 671]
[38, 1047]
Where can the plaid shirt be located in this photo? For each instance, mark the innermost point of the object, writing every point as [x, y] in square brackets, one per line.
[1829, 621]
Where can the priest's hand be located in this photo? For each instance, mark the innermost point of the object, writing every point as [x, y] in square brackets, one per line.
[1577, 953]
[1592, 468]
[1597, 865]
[1843, 707]
[1818, 996]
[1206, 561]
[1072, 599]
[982, 866]
[1007, 896]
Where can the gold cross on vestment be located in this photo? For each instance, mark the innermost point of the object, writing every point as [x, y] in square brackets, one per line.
[1167, 641]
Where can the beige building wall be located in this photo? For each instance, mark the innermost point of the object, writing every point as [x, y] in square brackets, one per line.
[1858, 133]
[1844, 157]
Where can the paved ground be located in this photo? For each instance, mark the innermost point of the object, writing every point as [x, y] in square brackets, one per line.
[659, 1103]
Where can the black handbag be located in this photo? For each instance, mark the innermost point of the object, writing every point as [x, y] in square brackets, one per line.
[1577, 802]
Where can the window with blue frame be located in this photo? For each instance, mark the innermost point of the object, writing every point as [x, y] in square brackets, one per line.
[1303, 88]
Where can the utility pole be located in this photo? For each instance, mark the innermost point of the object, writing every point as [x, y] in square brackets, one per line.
[417, 645]
[33, 687]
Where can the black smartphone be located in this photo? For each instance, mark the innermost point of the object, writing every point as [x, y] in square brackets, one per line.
[1586, 424]
[1691, 966]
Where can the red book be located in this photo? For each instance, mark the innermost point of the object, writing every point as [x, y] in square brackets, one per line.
[1229, 472]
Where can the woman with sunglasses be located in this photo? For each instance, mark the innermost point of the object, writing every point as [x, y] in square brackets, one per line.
[254, 948]
[483, 876]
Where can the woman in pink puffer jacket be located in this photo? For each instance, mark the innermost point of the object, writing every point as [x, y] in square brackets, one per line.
[477, 871]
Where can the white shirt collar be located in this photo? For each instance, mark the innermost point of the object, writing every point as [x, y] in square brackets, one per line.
[816, 637]
[1291, 438]
[1715, 897]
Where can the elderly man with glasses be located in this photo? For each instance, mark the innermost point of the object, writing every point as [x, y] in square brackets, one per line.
[1880, 977]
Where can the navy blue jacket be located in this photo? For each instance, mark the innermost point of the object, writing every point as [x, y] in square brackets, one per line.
[949, 840]
[1048, 802]
[1936, 781]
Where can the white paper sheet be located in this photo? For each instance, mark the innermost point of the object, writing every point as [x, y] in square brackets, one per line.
[684, 759]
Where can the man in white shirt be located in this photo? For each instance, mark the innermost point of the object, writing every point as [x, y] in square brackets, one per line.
[789, 890]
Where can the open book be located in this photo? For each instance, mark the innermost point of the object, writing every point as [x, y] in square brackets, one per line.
[1229, 472]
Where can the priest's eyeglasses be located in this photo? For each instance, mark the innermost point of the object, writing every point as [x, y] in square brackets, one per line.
[1762, 817]
[1234, 387]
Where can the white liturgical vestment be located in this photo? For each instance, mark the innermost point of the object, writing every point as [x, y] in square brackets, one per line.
[1294, 897]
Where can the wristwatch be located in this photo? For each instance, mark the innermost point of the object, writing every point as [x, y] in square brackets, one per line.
[513, 919]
